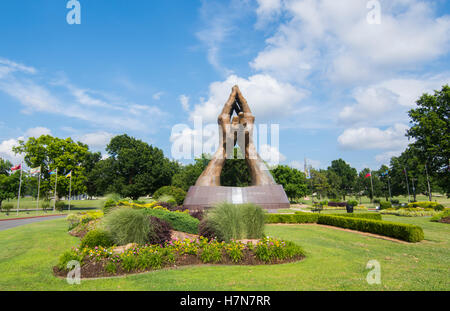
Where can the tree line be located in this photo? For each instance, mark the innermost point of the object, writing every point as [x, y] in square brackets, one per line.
[134, 168]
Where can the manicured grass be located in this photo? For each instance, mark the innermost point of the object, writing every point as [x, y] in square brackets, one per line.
[336, 260]
[28, 203]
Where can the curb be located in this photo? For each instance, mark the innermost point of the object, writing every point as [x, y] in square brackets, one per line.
[20, 218]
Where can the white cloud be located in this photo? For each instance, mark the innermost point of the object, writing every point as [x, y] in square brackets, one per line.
[158, 95]
[385, 157]
[267, 10]
[332, 38]
[388, 102]
[37, 132]
[364, 138]
[184, 100]
[267, 97]
[301, 165]
[97, 139]
[271, 154]
[6, 150]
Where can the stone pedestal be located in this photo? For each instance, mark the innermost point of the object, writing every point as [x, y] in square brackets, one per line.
[270, 197]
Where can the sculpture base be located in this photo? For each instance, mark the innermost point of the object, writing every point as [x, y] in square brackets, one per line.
[269, 197]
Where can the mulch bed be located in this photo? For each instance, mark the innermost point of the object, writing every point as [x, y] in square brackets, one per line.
[445, 220]
[96, 269]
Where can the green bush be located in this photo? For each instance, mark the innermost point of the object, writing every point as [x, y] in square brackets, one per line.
[323, 203]
[297, 218]
[353, 203]
[373, 216]
[45, 205]
[376, 201]
[179, 221]
[68, 256]
[97, 238]
[439, 217]
[126, 225]
[60, 206]
[395, 201]
[426, 204]
[177, 194]
[406, 232]
[7, 207]
[385, 205]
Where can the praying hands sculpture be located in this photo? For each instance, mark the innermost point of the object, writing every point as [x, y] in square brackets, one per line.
[236, 129]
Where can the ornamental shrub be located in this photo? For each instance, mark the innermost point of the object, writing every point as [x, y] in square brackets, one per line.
[160, 231]
[442, 217]
[95, 238]
[297, 218]
[205, 229]
[385, 205]
[426, 204]
[126, 225]
[373, 216]
[406, 232]
[177, 194]
[60, 206]
[376, 201]
[179, 221]
[353, 203]
[7, 207]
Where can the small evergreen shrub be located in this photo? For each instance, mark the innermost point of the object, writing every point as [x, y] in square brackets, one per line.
[297, 218]
[385, 205]
[442, 217]
[406, 232]
[177, 194]
[206, 230]
[60, 206]
[373, 216]
[353, 203]
[7, 207]
[126, 225]
[179, 221]
[95, 238]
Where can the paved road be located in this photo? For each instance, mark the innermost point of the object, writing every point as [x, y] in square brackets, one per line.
[7, 224]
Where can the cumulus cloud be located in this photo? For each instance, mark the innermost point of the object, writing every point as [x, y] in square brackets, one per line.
[267, 97]
[184, 100]
[364, 138]
[388, 102]
[334, 38]
[6, 150]
[97, 139]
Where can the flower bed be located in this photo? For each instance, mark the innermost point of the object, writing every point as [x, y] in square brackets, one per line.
[106, 262]
[410, 212]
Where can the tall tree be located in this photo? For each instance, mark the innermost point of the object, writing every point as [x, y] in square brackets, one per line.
[136, 167]
[51, 153]
[293, 181]
[346, 174]
[319, 183]
[431, 131]
[5, 167]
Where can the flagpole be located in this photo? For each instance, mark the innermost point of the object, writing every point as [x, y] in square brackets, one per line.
[20, 186]
[371, 184]
[70, 188]
[56, 182]
[39, 188]
[407, 185]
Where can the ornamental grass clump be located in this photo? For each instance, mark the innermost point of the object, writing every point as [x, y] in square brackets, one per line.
[228, 221]
[127, 225]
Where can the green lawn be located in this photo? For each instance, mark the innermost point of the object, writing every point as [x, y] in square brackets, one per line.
[28, 203]
[335, 260]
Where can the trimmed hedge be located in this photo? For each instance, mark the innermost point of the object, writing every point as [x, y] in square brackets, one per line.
[373, 216]
[406, 232]
[297, 218]
[179, 221]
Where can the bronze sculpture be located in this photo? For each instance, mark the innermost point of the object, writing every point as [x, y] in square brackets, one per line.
[236, 129]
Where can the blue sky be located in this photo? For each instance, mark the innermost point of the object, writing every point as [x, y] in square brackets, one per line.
[339, 86]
